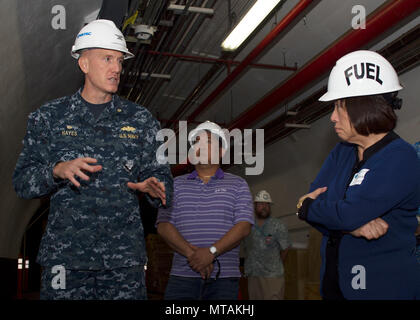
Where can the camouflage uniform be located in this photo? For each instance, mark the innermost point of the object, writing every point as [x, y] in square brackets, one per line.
[117, 284]
[263, 247]
[263, 263]
[96, 226]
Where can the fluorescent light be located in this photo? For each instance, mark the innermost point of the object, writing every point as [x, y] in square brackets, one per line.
[249, 23]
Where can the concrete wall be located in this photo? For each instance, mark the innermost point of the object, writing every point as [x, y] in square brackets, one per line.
[36, 66]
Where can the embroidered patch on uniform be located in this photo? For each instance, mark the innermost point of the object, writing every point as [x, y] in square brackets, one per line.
[128, 133]
[359, 177]
[128, 136]
[69, 131]
[128, 129]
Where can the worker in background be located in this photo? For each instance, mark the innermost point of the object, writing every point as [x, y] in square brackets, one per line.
[265, 252]
[366, 196]
[92, 153]
[210, 215]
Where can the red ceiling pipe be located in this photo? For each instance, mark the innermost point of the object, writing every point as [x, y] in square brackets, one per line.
[378, 22]
[302, 5]
[253, 55]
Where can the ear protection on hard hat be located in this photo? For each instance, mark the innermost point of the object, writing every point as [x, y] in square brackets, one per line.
[392, 100]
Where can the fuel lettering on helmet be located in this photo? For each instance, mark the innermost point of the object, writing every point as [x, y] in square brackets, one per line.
[364, 70]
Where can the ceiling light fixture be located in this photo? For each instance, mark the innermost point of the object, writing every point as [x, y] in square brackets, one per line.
[249, 23]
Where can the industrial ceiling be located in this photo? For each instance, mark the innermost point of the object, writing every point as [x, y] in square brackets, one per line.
[181, 72]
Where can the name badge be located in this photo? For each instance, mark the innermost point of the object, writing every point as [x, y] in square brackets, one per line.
[359, 177]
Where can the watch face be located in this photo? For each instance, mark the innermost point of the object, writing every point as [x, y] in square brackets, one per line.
[213, 250]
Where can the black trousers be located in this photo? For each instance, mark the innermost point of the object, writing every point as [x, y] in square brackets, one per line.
[330, 284]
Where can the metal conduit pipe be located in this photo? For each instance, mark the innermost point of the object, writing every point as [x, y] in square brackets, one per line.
[180, 43]
[254, 54]
[153, 63]
[381, 20]
[377, 23]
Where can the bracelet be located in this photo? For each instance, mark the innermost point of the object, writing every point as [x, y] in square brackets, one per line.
[299, 204]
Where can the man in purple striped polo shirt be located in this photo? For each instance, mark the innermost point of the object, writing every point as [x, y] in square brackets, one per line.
[212, 212]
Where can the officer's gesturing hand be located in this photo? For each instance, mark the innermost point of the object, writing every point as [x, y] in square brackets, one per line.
[70, 169]
[152, 186]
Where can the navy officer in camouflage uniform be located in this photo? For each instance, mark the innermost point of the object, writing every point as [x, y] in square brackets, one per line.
[92, 152]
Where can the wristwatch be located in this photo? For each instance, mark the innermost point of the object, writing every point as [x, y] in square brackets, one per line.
[213, 250]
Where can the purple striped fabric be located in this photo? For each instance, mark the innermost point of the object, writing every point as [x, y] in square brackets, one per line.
[203, 213]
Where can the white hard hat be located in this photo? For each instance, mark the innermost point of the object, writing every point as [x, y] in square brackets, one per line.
[100, 34]
[361, 73]
[263, 196]
[209, 126]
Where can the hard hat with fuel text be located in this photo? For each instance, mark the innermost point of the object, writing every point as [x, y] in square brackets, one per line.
[361, 73]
